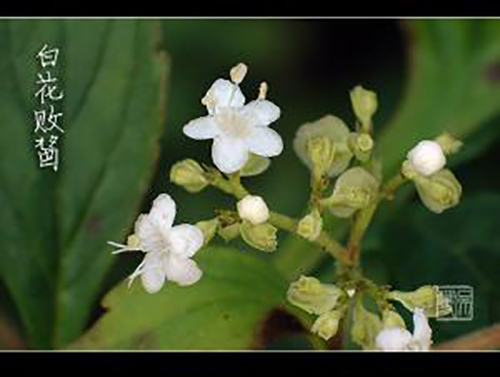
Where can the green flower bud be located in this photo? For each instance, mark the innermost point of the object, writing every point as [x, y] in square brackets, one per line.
[448, 143]
[362, 145]
[321, 151]
[310, 226]
[427, 297]
[255, 165]
[312, 296]
[208, 228]
[261, 236]
[355, 189]
[391, 318]
[327, 324]
[366, 326]
[438, 191]
[364, 102]
[229, 232]
[323, 145]
[188, 174]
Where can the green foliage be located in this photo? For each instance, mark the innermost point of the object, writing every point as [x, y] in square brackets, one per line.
[226, 310]
[54, 226]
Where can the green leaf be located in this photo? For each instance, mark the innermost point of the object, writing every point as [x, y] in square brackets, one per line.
[453, 86]
[54, 225]
[227, 309]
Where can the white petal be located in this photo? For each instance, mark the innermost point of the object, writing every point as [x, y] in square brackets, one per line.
[153, 273]
[163, 212]
[223, 93]
[422, 332]
[393, 339]
[185, 240]
[262, 112]
[150, 238]
[264, 142]
[183, 271]
[201, 128]
[229, 154]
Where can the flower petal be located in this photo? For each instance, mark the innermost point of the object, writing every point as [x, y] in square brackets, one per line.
[229, 154]
[264, 142]
[183, 271]
[150, 238]
[393, 339]
[163, 212]
[223, 93]
[201, 128]
[185, 240]
[153, 272]
[262, 112]
[422, 332]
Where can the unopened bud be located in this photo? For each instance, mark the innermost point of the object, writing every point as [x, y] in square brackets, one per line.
[364, 103]
[309, 294]
[427, 157]
[254, 209]
[230, 232]
[448, 143]
[440, 191]
[362, 145]
[260, 236]
[355, 189]
[331, 135]
[428, 297]
[255, 165]
[366, 326]
[327, 324]
[391, 318]
[188, 174]
[310, 226]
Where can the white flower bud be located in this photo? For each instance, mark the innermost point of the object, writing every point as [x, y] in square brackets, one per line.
[254, 209]
[427, 157]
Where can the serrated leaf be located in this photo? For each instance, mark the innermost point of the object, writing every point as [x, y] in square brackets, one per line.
[225, 310]
[54, 225]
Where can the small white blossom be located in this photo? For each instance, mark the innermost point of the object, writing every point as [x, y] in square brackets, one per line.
[427, 157]
[236, 128]
[400, 339]
[254, 209]
[168, 248]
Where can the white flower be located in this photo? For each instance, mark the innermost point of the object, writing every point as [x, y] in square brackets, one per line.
[427, 157]
[400, 339]
[254, 209]
[236, 128]
[168, 248]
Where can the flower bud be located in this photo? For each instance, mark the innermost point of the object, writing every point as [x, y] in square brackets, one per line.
[327, 324]
[448, 143]
[255, 165]
[439, 191]
[312, 296]
[261, 236]
[355, 189]
[366, 326]
[310, 226]
[229, 232]
[362, 145]
[427, 157]
[329, 136]
[254, 209]
[188, 174]
[208, 228]
[428, 297]
[321, 152]
[364, 102]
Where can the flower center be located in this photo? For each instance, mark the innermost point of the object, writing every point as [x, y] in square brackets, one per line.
[232, 123]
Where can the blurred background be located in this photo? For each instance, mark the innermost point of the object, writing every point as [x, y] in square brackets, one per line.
[430, 76]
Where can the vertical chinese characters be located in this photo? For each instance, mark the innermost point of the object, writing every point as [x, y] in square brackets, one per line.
[47, 116]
